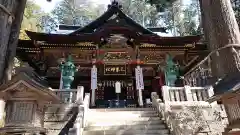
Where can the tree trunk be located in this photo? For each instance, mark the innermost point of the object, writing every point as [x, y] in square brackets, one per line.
[5, 29]
[221, 29]
[13, 40]
[8, 22]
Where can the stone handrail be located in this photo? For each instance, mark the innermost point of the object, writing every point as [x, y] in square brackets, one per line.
[159, 105]
[186, 112]
[80, 107]
[186, 93]
[83, 107]
[77, 109]
[67, 96]
[86, 104]
[191, 117]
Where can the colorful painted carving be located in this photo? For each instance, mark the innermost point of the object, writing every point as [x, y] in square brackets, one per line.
[68, 70]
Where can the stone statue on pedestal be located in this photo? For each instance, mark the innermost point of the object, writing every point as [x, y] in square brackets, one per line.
[68, 70]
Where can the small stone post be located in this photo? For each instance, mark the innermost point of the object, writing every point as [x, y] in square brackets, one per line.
[165, 91]
[188, 93]
[210, 94]
[140, 97]
[2, 112]
[80, 94]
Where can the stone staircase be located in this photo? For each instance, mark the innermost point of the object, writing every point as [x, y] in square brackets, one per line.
[124, 121]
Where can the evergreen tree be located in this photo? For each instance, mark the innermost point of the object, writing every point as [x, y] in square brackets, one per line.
[236, 8]
[10, 23]
[31, 19]
[76, 12]
[179, 18]
[141, 12]
[220, 29]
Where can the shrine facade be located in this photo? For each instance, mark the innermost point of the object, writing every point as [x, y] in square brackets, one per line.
[114, 48]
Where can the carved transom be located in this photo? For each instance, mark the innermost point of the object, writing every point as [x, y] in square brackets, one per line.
[116, 56]
[21, 88]
[152, 56]
[116, 41]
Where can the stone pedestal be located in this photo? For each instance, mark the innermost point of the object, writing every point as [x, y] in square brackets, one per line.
[140, 98]
[80, 94]
[93, 95]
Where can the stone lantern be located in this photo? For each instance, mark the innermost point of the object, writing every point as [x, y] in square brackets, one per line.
[68, 70]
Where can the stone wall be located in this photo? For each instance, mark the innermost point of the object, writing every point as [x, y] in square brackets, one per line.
[191, 117]
[195, 118]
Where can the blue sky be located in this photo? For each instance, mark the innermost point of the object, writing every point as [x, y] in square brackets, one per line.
[48, 6]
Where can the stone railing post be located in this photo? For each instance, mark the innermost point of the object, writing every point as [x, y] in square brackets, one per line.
[188, 93]
[165, 91]
[79, 120]
[86, 108]
[210, 93]
[2, 112]
[80, 94]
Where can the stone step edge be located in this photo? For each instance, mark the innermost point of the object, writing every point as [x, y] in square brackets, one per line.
[97, 128]
[126, 130]
[122, 109]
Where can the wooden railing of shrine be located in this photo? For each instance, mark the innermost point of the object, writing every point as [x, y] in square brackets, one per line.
[200, 75]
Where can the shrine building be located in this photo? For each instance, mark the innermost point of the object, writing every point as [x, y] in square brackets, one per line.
[113, 47]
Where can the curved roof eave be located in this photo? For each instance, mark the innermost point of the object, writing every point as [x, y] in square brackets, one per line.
[106, 16]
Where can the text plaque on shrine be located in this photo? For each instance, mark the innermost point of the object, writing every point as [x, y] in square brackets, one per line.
[114, 69]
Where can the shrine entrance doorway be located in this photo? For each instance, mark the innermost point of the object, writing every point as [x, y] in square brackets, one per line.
[110, 92]
[108, 98]
[113, 99]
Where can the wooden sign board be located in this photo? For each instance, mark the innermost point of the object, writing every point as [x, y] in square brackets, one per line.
[114, 69]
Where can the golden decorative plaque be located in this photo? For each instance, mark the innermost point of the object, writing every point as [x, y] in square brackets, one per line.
[114, 69]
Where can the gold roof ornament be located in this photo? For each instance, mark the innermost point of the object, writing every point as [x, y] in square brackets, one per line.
[40, 42]
[190, 45]
[148, 45]
[85, 44]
